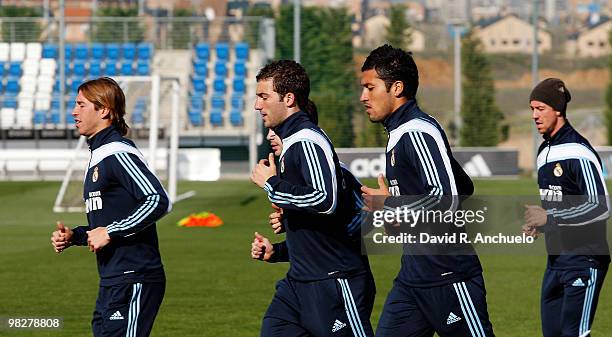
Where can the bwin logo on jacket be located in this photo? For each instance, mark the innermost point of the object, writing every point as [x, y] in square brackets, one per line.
[94, 202]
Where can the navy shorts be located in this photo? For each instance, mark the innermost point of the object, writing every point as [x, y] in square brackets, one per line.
[331, 307]
[453, 310]
[569, 299]
[127, 310]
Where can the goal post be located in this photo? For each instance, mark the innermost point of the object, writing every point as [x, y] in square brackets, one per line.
[67, 201]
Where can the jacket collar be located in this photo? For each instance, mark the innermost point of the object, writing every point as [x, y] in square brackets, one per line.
[558, 137]
[102, 137]
[400, 116]
[291, 125]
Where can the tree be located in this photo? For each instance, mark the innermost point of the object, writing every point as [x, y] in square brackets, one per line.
[329, 65]
[480, 115]
[608, 112]
[113, 31]
[399, 32]
[20, 31]
[181, 30]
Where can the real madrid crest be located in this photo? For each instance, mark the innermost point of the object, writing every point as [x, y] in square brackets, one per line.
[94, 175]
[282, 165]
[558, 171]
[393, 157]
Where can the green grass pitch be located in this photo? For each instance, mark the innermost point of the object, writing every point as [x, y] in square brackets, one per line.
[214, 288]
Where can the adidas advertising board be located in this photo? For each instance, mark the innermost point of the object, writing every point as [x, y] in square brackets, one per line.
[477, 162]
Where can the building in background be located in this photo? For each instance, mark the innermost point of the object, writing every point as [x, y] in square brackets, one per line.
[592, 41]
[510, 34]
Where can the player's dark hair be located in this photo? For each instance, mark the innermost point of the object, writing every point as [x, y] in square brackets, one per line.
[394, 64]
[104, 92]
[289, 76]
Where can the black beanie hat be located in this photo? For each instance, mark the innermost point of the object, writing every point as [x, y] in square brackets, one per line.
[553, 92]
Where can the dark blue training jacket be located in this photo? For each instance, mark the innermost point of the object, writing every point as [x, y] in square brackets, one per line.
[574, 194]
[122, 194]
[316, 204]
[420, 164]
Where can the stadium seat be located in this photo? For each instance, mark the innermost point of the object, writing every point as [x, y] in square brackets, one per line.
[69, 118]
[145, 50]
[49, 50]
[54, 116]
[12, 86]
[200, 68]
[143, 68]
[81, 51]
[18, 51]
[42, 103]
[48, 66]
[196, 103]
[199, 86]
[218, 102]
[28, 86]
[220, 69]
[68, 51]
[67, 69]
[74, 85]
[95, 69]
[55, 103]
[40, 117]
[202, 51]
[127, 68]
[15, 69]
[216, 117]
[240, 69]
[237, 101]
[7, 117]
[222, 50]
[97, 51]
[219, 85]
[141, 103]
[79, 68]
[10, 102]
[236, 117]
[113, 51]
[2, 70]
[242, 51]
[1, 87]
[238, 84]
[138, 116]
[44, 84]
[195, 117]
[30, 67]
[110, 69]
[4, 51]
[129, 51]
[33, 51]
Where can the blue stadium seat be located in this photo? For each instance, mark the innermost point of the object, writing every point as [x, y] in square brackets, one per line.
[67, 69]
[199, 86]
[79, 68]
[216, 117]
[145, 50]
[50, 51]
[141, 103]
[15, 69]
[200, 68]
[55, 102]
[237, 101]
[12, 86]
[219, 85]
[221, 69]
[71, 101]
[202, 51]
[127, 68]
[218, 102]
[1, 70]
[196, 103]
[195, 117]
[10, 102]
[242, 51]
[138, 116]
[98, 51]
[238, 84]
[95, 69]
[81, 51]
[129, 51]
[68, 51]
[76, 82]
[56, 85]
[1, 87]
[240, 69]
[236, 117]
[142, 68]
[222, 49]
[113, 51]
[69, 118]
[54, 116]
[40, 116]
[110, 69]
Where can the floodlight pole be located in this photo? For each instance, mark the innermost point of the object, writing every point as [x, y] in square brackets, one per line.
[534, 75]
[457, 72]
[297, 24]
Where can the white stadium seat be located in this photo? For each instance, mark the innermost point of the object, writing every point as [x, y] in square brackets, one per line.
[4, 51]
[18, 51]
[34, 51]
